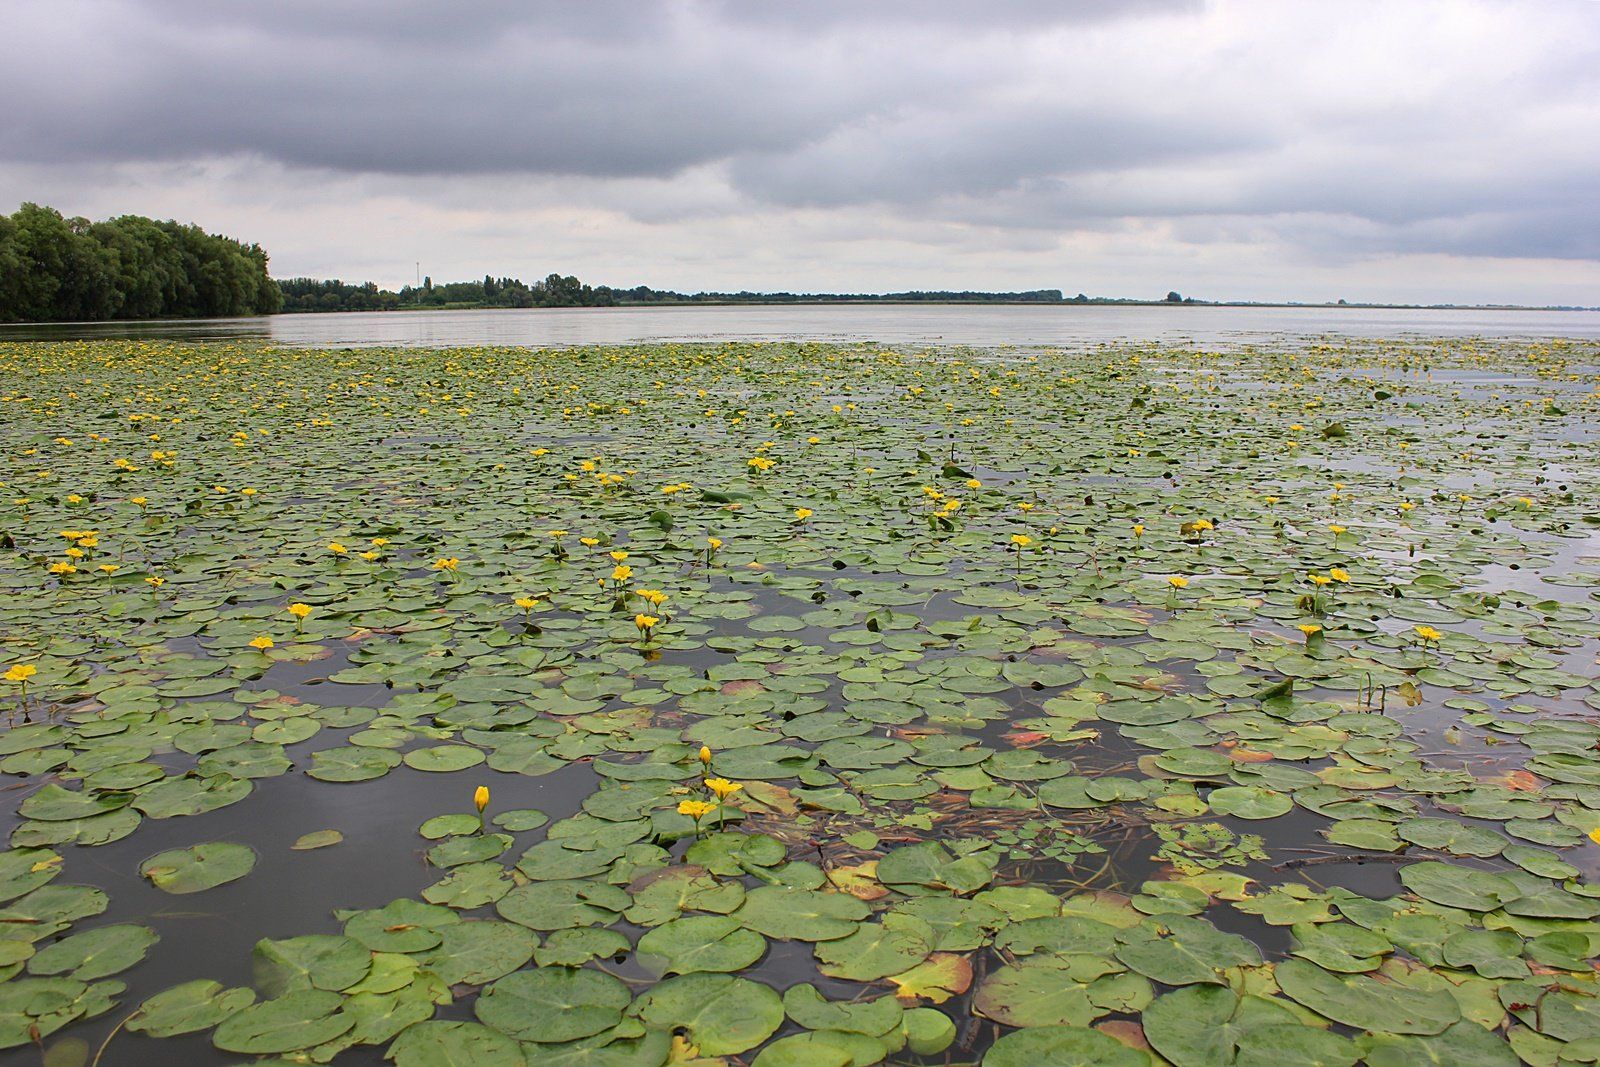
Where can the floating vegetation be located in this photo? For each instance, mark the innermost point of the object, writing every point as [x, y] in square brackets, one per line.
[800, 704]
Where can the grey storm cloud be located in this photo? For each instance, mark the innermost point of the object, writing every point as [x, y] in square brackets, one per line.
[615, 89]
[1467, 128]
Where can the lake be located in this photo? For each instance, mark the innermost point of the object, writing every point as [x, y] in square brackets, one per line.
[937, 324]
[830, 703]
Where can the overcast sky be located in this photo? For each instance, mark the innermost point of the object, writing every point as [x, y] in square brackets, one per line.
[1396, 150]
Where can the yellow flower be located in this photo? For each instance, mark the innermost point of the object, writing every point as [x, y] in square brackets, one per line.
[1338, 574]
[446, 563]
[645, 623]
[1138, 529]
[714, 542]
[802, 514]
[480, 798]
[588, 542]
[722, 787]
[696, 809]
[379, 542]
[138, 500]
[1309, 629]
[1335, 528]
[63, 568]
[526, 603]
[1021, 540]
[621, 573]
[248, 492]
[558, 534]
[155, 582]
[1177, 581]
[261, 643]
[371, 557]
[1594, 835]
[1406, 505]
[20, 672]
[973, 483]
[1201, 524]
[108, 568]
[1428, 633]
[1318, 579]
[705, 755]
[299, 611]
[337, 549]
[618, 554]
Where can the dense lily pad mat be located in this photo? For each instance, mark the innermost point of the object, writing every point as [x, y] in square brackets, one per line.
[1131, 705]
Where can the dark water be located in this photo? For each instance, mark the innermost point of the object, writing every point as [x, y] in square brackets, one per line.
[984, 325]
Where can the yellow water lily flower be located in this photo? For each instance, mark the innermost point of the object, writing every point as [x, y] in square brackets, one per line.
[480, 798]
[20, 672]
[262, 643]
[722, 787]
[696, 809]
[1177, 581]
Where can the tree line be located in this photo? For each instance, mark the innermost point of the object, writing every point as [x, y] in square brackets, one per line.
[313, 294]
[318, 294]
[57, 269]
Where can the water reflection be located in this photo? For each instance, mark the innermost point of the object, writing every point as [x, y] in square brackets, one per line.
[986, 325]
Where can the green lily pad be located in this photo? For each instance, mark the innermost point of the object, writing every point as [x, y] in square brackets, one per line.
[199, 867]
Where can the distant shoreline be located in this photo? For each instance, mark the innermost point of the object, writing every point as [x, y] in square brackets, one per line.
[878, 302]
[871, 301]
[690, 304]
